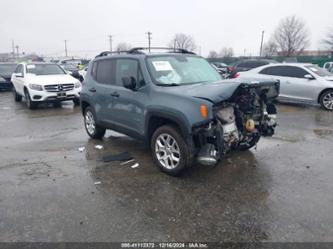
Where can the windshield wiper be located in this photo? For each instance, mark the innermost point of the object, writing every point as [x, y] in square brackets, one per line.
[169, 84]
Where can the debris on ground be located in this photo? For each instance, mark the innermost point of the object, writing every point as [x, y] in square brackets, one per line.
[126, 162]
[125, 156]
[98, 182]
[135, 166]
[99, 147]
[81, 149]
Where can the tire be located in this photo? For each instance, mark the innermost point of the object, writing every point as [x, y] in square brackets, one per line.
[76, 102]
[17, 97]
[326, 100]
[30, 104]
[94, 130]
[253, 142]
[176, 156]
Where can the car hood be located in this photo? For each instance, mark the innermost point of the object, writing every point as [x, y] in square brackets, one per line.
[51, 79]
[329, 78]
[7, 77]
[214, 92]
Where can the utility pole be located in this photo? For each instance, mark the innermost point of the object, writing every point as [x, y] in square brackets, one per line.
[13, 48]
[66, 48]
[110, 41]
[17, 51]
[149, 40]
[262, 42]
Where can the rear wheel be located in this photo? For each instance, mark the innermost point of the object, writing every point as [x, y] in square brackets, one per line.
[30, 104]
[169, 150]
[326, 100]
[17, 97]
[94, 130]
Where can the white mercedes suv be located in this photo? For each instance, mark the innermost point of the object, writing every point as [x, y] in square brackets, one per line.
[44, 82]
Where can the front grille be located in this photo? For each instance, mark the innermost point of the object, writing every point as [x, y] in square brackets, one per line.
[59, 88]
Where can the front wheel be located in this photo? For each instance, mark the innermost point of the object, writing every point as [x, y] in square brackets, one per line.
[94, 130]
[31, 104]
[17, 97]
[76, 101]
[326, 100]
[169, 150]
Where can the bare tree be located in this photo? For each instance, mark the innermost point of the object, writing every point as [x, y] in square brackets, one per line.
[270, 49]
[227, 52]
[183, 41]
[213, 54]
[328, 40]
[291, 36]
[123, 46]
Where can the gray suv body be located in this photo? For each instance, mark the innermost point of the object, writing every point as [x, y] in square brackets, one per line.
[178, 104]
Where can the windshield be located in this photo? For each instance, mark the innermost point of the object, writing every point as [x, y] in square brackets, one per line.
[319, 71]
[44, 69]
[7, 69]
[180, 70]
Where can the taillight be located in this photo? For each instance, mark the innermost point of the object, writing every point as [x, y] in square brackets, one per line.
[236, 75]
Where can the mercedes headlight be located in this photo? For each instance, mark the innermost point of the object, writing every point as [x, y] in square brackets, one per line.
[77, 85]
[36, 87]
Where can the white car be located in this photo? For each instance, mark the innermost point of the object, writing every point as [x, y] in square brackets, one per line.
[301, 83]
[44, 82]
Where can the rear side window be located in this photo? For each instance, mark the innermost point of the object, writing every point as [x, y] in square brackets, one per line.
[271, 71]
[94, 70]
[285, 71]
[105, 69]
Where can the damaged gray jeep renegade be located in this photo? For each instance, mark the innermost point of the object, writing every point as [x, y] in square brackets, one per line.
[178, 104]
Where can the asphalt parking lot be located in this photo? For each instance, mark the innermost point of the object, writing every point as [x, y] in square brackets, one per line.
[281, 191]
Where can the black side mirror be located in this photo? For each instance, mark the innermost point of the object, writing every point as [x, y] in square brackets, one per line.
[129, 82]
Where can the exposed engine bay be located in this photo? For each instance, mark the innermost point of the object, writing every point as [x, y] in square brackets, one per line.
[239, 122]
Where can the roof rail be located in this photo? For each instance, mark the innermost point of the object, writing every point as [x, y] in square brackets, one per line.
[105, 53]
[170, 50]
[138, 50]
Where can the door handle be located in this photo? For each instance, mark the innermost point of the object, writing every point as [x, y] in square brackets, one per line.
[115, 94]
[93, 89]
[288, 82]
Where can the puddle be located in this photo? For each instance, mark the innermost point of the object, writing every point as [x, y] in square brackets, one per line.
[323, 132]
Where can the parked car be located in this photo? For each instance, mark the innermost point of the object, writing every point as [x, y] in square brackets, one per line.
[73, 71]
[177, 103]
[301, 83]
[6, 70]
[245, 65]
[44, 82]
[328, 65]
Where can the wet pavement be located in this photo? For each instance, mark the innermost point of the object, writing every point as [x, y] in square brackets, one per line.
[282, 191]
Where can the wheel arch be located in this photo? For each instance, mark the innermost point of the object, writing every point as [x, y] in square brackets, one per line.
[322, 92]
[155, 120]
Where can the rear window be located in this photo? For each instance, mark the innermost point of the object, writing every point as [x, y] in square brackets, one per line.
[7, 69]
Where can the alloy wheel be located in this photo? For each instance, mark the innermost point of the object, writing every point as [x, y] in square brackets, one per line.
[90, 122]
[328, 100]
[167, 151]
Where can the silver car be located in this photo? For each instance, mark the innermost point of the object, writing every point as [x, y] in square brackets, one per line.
[301, 83]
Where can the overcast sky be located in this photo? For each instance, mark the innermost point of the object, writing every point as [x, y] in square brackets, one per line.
[41, 26]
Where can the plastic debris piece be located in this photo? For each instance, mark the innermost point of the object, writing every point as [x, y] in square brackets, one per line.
[99, 147]
[129, 161]
[125, 156]
[97, 183]
[81, 149]
[135, 166]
